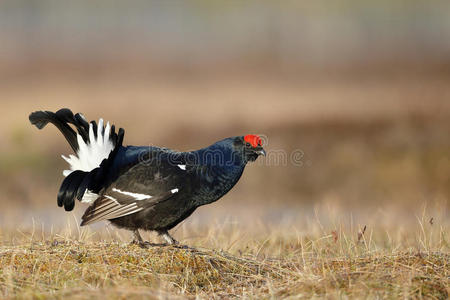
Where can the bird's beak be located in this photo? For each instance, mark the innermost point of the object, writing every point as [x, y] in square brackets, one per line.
[261, 152]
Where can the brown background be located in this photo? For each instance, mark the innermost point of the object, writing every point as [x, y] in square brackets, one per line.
[362, 89]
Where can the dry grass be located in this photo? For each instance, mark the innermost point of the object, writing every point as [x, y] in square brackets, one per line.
[280, 261]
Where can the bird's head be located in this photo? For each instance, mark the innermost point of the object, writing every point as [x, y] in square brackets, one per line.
[250, 147]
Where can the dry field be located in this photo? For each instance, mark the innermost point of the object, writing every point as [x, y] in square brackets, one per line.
[382, 259]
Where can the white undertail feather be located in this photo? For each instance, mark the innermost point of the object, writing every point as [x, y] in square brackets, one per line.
[91, 154]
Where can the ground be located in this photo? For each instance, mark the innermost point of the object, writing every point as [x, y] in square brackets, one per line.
[368, 262]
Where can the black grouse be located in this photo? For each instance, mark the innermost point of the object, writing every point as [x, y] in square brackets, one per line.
[147, 188]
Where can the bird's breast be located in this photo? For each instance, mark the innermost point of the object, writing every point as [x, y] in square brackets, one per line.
[216, 184]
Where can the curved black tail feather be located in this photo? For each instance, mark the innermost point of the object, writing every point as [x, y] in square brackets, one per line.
[70, 188]
[62, 118]
[78, 182]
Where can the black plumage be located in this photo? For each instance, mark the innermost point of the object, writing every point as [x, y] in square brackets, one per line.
[147, 188]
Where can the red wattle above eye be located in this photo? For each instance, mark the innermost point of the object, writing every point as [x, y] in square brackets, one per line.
[254, 140]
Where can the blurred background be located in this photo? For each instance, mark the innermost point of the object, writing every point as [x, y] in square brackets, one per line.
[353, 96]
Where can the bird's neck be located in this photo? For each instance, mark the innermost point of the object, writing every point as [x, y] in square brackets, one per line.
[217, 164]
[217, 157]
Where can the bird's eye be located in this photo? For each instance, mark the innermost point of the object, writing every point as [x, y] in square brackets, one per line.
[247, 144]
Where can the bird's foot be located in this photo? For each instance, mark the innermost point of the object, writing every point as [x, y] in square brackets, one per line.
[146, 244]
[184, 247]
[170, 241]
[141, 244]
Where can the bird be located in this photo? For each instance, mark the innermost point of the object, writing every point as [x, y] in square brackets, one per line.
[145, 188]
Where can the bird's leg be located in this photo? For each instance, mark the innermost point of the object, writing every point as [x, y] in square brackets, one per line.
[168, 238]
[137, 239]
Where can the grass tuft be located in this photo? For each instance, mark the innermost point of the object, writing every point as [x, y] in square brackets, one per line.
[328, 266]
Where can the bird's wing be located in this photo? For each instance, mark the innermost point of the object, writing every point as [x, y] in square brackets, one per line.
[119, 203]
[144, 185]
